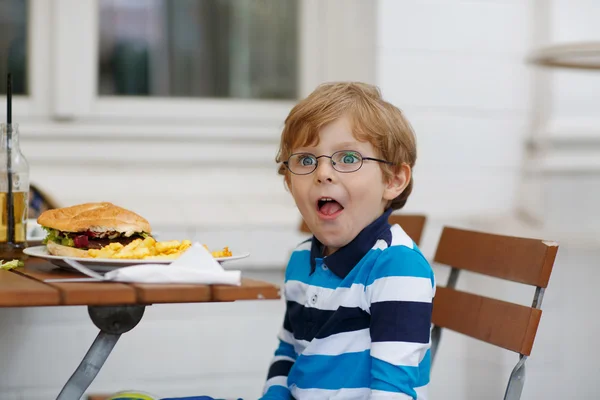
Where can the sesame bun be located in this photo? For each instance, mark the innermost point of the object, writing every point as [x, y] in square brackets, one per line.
[95, 217]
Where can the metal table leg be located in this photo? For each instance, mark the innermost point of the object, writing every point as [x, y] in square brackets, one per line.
[112, 322]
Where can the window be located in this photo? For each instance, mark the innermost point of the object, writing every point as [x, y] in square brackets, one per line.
[240, 49]
[13, 44]
[205, 68]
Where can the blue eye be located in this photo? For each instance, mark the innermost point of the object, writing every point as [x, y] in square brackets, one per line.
[350, 158]
[306, 161]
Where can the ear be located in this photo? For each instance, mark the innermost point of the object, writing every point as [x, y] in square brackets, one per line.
[398, 182]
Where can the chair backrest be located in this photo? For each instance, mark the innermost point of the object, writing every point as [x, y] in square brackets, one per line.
[412, 224]
[508, 325]
[39, 201]
[501, 323]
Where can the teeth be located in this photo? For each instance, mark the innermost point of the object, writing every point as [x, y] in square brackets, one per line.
[326, 199]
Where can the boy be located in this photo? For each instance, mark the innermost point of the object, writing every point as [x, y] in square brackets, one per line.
[359, 293]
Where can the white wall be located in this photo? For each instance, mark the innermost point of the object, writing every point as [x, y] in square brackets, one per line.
[219, 349]
[565, 152]
[457, 70]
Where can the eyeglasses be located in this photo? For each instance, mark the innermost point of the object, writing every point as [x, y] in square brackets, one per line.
[342, 161]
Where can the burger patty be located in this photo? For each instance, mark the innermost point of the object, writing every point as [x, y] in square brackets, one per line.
[86, 242]
[91, 240]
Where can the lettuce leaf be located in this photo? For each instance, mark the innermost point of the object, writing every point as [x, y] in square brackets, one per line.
[56, 236]
[67, 241]
[11, 264]
[51, 235]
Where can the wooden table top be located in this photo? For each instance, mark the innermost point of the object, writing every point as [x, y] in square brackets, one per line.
[25, 287]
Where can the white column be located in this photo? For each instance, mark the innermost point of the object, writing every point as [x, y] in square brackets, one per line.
[562, 180]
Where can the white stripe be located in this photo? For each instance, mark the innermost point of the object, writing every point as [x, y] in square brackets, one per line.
[276, 381]
[380, 245]
[300, 346]
[282, 358]
[400, 353]
[422, 392]
[340, 343]
[400, 238]
[325, 298]
[381, 395]
[324, 394]
[286, 336]
[400, 288]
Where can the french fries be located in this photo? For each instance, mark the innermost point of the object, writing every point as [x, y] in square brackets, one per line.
[149, 248]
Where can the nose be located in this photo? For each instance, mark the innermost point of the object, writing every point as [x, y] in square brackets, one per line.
[324, 172]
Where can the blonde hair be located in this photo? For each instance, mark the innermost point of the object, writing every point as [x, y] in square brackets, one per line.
[373, 120]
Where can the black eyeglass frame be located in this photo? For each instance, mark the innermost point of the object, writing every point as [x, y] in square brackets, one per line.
[333, 163]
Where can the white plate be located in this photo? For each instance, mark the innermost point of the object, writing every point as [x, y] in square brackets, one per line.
[106, 264]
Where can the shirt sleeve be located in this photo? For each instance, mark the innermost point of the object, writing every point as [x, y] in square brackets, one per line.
[276, 387]
[400, 291]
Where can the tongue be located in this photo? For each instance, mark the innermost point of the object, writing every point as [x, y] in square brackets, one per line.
[331, 207]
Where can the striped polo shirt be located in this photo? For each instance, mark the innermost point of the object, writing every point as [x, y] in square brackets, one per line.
[357, 322]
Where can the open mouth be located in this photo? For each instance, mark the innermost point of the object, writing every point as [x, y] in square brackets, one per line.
[328, 206]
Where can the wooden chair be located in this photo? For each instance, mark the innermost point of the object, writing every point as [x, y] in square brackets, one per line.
[413, 225]
[504, 324]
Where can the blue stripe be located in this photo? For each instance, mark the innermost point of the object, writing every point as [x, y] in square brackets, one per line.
[286, 349]
[277, 392]
[418, 250]
[280, 368]
[404, 378]
[400, 261]
[360, 273]
[299, 259]
[309, 323]
[300, 271]
[349, 370]
[424, 370]
[400, 321]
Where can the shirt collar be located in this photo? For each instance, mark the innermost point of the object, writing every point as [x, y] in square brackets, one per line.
[342, 261]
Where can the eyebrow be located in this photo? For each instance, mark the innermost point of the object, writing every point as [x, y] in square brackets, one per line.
[337, 147]
[346, 146]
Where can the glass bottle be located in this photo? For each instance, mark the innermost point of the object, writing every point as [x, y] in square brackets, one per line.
[14, 205]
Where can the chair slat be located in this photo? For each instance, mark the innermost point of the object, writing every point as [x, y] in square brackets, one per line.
[507, 325]
[516, 259]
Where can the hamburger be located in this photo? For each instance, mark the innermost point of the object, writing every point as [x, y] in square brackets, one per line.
[71, 231]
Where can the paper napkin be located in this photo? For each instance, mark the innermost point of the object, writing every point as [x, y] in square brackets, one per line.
[195, 265]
